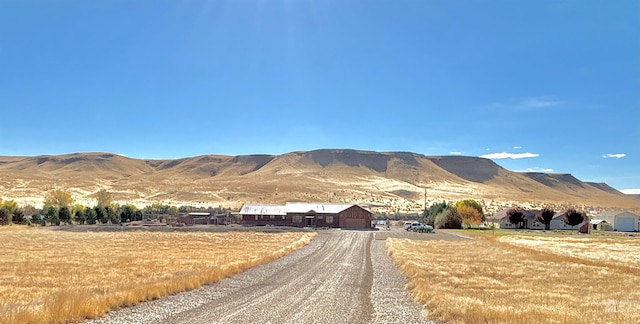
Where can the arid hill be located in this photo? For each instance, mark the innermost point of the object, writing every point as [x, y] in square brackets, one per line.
[392, 181]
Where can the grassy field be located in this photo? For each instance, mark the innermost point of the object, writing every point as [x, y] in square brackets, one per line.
[524, 279]
[57, 276]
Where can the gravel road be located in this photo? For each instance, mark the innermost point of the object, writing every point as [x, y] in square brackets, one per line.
[341, 277]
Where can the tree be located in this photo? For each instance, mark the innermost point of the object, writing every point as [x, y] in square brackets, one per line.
[101, 214]
[448, 218]
[573, 217]
[126, 213]
[111, 215]
[470, 203]
[7, 210]
[104, 198]
[90, 215]
[18, 217]
[545, 216]
[58, 198]
[51, 214]
[64, 214]
[429, 214]
[37, 219]
[80, 216]
[5, 217]
[469, 215]
[515, 216]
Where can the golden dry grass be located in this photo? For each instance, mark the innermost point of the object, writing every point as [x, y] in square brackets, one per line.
[56, 276]
[524, 279]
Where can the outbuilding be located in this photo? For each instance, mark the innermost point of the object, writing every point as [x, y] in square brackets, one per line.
[620, 220]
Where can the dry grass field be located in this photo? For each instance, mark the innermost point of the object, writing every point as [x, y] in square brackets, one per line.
[524, 279]
[57, 276]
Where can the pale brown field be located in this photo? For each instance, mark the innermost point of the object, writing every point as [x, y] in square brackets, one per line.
[524, 279]
[57, 276]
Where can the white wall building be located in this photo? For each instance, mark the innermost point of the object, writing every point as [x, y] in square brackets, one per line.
[620, 220]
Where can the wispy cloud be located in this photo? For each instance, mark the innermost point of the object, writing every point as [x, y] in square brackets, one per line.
[615, 156]
[631, 191]
[536, 169]
[541, 102]
[517, 147]
[455, 153]
[506, 155]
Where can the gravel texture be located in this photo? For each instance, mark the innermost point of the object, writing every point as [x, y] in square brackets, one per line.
[340, 277]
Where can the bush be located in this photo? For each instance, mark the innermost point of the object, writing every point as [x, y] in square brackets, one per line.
[448, 218]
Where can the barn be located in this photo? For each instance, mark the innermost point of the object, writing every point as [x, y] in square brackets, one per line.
[620, 220]
[300, 214]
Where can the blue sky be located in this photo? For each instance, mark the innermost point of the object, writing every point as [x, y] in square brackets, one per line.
[536, 85]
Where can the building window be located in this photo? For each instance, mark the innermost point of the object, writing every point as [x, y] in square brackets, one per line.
[256, 217]
[329, 220]
[297, 219]
[272, 216]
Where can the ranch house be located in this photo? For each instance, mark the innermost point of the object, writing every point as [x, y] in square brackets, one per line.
[306, 214]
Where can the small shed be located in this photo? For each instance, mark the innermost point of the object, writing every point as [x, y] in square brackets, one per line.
[600, 225]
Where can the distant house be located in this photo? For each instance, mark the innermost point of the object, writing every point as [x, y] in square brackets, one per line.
[620, 220]
[528, 223]
[306, 214]
[557, 223]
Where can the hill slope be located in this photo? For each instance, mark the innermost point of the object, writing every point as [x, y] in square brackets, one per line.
[394, 181]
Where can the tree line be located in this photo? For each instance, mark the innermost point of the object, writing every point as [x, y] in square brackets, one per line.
[467, 213]
[60, 208]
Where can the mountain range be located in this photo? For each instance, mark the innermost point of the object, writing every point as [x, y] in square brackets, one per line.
[390, 181]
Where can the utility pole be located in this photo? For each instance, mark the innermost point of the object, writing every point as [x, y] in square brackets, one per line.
[425, 198]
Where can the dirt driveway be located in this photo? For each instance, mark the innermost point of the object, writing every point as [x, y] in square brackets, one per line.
[341, 277]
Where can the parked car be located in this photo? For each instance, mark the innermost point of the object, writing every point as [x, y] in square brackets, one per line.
[422, 228]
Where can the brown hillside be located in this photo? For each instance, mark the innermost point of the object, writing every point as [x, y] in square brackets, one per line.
[393, 181]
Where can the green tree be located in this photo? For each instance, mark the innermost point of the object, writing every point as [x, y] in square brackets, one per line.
[429, 214]
[111, 215]
[64, 214]
[448, 218]
[58, 198]
[18, 217]
[51, 215]
[573, 217]
[126, 213]
[101, 214]
[80, 216]
[90, 215]
[545, 216]
[5, 217]
[37, 219]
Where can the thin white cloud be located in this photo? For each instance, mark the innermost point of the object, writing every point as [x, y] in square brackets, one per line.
[631, 191]
[539, 102]
[505, 155]
[517, 147]
[455, 153]
[615, 156]
[536, 169]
